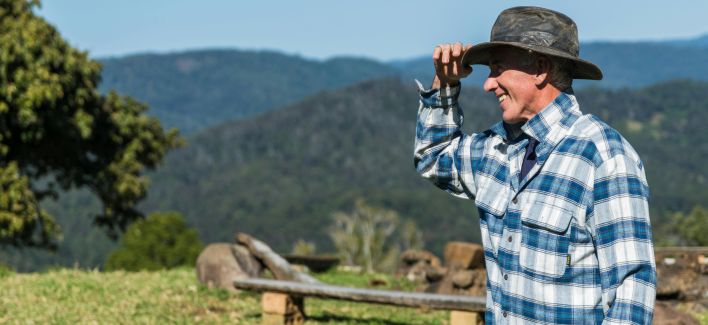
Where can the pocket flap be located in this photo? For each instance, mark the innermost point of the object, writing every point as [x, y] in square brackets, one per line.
[546, 216]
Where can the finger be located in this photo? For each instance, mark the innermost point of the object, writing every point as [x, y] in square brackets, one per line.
[456, 49]
[437, 52]
[467, 47]
[453, 66]
[446, 54]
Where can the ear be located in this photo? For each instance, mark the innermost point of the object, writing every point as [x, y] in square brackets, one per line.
[543, 71]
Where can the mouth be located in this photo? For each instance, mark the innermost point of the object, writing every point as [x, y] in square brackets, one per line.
[502, 98]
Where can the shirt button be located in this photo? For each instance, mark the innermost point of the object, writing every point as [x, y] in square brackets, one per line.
[506, 277]
[514, 201]
[504, 314]
[509, 239]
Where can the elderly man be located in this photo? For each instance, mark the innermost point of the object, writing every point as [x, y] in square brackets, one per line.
[562, 196]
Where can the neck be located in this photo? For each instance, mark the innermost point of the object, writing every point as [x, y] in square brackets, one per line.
[545, 96]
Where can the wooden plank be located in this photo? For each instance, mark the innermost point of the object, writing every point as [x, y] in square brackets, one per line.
[275, 263]
[387, 297]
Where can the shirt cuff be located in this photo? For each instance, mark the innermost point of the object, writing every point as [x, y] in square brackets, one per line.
[438, 97]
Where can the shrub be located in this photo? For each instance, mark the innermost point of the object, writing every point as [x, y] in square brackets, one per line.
[162, 241]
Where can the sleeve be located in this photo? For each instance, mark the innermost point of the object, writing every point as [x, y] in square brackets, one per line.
[442, 152]
[621, 229]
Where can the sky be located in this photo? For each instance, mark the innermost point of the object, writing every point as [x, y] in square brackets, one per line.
[321, 29]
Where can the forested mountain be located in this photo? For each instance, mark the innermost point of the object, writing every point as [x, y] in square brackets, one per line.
[624, 64]
[280, 176]
[193, 90]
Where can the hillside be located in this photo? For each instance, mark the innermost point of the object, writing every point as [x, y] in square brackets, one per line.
[280, 175]
[193, 90]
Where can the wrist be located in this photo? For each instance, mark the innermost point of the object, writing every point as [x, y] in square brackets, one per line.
[437, 83]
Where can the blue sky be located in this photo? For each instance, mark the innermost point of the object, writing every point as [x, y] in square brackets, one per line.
[380, 29]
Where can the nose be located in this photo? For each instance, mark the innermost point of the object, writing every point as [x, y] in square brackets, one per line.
[490, 84]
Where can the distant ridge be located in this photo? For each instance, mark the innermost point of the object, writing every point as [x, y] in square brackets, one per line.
[192, 90]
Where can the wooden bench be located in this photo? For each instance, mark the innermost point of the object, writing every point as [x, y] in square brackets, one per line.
[283, 301]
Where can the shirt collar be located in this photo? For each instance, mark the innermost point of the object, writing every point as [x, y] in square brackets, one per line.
[549, 125]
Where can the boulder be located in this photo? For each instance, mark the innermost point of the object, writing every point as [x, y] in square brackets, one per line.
[219, 264]
[418, 265]
[460, 282]
[413, 256]
[464, 256]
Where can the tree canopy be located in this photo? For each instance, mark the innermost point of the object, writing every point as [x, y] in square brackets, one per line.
[58, 132]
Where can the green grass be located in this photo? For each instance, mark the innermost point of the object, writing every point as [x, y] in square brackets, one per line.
[67, 296]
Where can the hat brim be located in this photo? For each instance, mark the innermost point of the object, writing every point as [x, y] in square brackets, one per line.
[480, 54]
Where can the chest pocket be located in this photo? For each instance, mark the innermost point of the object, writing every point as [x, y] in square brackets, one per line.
[545, 239]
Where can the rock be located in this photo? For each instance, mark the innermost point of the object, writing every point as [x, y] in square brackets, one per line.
[463, 279]
[679, 282]
[419, 265]
[413, 256]
[666, 314]
[219, 264]
[433, 273]
[464, 256]
[460, 282]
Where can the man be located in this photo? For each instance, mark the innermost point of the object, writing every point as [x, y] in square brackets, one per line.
[562, 196]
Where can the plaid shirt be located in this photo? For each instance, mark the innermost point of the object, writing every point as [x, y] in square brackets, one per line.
[568, 244]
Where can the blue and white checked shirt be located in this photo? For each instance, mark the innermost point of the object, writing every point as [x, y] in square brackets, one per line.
[571, 242]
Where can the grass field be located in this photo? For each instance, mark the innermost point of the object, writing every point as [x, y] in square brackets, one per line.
[68, 296]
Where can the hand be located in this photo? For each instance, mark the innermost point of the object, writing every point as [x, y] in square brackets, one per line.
[447, 59]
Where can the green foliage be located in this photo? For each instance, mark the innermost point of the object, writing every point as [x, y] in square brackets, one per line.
[58, 132]
[5, 270]
[289, 169]
[691, 229]
[280, 175]
[162, 241]
[304, 247]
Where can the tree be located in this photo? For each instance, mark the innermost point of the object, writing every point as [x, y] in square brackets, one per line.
[692, 227]
[162, 241]
[365, 238]
[57, 132]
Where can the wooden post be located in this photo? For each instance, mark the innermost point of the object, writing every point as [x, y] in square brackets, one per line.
[282, 309]
[458, 317]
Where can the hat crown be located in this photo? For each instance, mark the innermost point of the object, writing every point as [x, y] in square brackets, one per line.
[537, 26]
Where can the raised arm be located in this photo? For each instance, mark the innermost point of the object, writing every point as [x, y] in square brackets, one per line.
[623, 238]
[442, 152]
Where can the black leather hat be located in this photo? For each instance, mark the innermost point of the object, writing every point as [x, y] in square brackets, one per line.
[537, 29]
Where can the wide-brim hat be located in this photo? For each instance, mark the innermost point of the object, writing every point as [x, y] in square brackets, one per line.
[539, 30]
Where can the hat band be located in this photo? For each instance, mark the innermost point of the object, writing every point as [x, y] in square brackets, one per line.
[535, 38]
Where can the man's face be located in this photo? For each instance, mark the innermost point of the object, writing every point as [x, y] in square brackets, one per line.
[513, 83]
